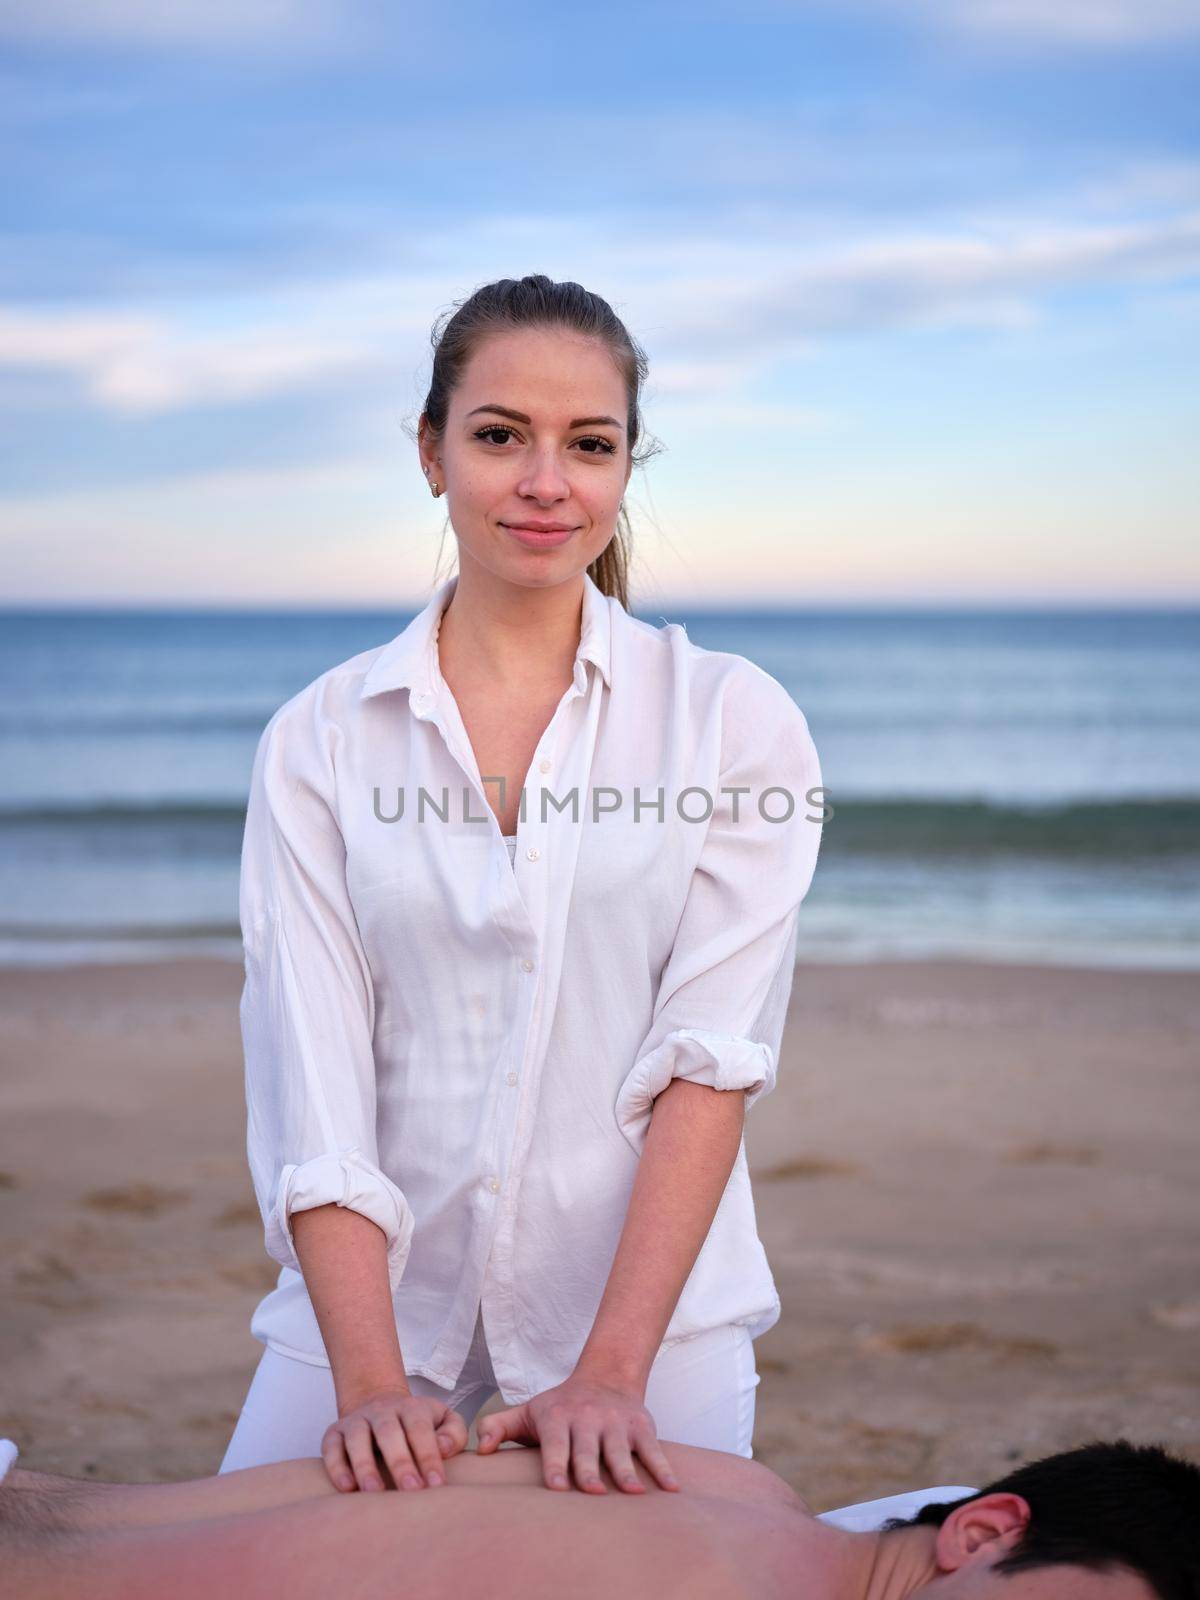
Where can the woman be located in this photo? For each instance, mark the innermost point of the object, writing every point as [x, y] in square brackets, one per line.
[519, 900]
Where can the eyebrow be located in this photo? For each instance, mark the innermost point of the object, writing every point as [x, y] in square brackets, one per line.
[519, 416]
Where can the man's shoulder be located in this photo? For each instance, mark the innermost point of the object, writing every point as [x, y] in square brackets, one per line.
[730, 1477]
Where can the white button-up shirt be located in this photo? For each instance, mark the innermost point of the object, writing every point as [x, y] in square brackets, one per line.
[466, 1048]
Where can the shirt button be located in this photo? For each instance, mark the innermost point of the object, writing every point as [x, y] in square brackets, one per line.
[543, 766]
[511, 1079]
[527, 965]
[532, 855]
[494, 1185]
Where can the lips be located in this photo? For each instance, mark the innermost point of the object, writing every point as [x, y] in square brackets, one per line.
[535, 538]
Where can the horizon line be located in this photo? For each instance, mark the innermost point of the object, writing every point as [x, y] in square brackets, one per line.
[747, 607]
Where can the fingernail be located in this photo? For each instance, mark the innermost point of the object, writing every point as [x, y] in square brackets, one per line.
[374, 1483]
[345, 1483]
[435, 1478]
[410, 1482]
[558, 1480]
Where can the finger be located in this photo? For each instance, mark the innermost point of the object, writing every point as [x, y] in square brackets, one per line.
[452, 1433]
[419, 1428]
[394, 1448]
[585, 1458]
[500, 1426]
[360, 1447]
[620, 1462]
[337, 1465]
[648, 1448]
[556, 1454]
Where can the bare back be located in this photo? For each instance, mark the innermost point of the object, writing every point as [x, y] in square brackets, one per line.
[734, 1530]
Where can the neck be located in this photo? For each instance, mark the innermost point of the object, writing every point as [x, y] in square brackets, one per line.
[881, 1566]
[508, 632]
[902, 1563]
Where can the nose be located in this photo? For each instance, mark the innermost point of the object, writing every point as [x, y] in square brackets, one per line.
[545, 480]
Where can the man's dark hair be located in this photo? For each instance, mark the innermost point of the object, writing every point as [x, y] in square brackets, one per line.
[1100, 1506]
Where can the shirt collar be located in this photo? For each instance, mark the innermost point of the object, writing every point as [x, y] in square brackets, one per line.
[409, 661]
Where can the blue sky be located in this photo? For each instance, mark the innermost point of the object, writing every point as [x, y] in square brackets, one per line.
[919, 281]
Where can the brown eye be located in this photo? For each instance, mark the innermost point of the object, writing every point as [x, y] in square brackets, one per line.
[607, 448]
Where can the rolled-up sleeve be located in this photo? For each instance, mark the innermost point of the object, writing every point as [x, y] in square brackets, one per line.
[722, 1000]
[307, 1008]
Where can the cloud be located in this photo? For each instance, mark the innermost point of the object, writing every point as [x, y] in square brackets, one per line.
[229, 23]
[134, 364]
[1145, 184]
[1084, 22]
[1114, 22]
[791, 293]
[1080, 22]
[995, 277]
[709, 334]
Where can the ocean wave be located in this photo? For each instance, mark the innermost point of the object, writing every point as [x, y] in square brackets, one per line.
[1109, 829]
[58, 933]
[1154, 826]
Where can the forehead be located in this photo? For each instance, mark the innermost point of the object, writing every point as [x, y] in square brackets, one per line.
[548, 373]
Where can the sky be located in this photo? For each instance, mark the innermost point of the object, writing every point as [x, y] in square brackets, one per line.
[918, 281]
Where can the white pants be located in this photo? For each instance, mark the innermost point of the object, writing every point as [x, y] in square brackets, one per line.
[700, 1391]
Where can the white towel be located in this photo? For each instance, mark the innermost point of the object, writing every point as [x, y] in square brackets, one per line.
[870, 1515]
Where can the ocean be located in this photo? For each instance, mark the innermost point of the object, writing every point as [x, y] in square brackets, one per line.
[1006, 785]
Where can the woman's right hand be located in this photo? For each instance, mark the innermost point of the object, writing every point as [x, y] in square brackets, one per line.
[413, 1433]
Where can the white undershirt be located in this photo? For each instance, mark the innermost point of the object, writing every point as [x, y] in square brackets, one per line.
[510, 840]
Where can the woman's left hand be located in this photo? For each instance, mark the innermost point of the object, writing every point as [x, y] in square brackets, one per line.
[573, 1423]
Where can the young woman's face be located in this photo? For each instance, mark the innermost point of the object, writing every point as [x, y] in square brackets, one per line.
[535, 436]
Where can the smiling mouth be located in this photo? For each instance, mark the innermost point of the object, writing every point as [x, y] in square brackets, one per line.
[539, 538]
[532, 527]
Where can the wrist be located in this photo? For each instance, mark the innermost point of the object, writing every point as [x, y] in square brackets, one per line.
[615, 1368]
[353, 1389]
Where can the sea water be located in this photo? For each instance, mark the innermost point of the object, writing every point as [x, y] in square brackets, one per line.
[1012, 785]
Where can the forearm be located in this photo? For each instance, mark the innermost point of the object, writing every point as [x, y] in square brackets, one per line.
[692, 1143]
[343, 1256]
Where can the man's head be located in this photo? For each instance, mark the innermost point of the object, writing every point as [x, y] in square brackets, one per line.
[1104, 1522]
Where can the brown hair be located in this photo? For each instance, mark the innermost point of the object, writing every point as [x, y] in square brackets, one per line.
[538, 302]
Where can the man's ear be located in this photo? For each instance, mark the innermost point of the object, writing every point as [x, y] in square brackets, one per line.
[983, 1530]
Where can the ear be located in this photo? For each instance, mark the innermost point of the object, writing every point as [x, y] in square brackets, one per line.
[984, 1530]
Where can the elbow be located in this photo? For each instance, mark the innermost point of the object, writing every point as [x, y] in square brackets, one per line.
[702, 1113]
[343, 1179]
[710, 1100]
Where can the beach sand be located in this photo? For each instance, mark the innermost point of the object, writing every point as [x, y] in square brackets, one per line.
[978, 1187]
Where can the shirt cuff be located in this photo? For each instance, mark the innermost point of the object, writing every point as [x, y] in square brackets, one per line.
[720, 1060]
[346, 1180]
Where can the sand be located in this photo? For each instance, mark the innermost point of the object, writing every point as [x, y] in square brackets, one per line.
[978, 1187]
